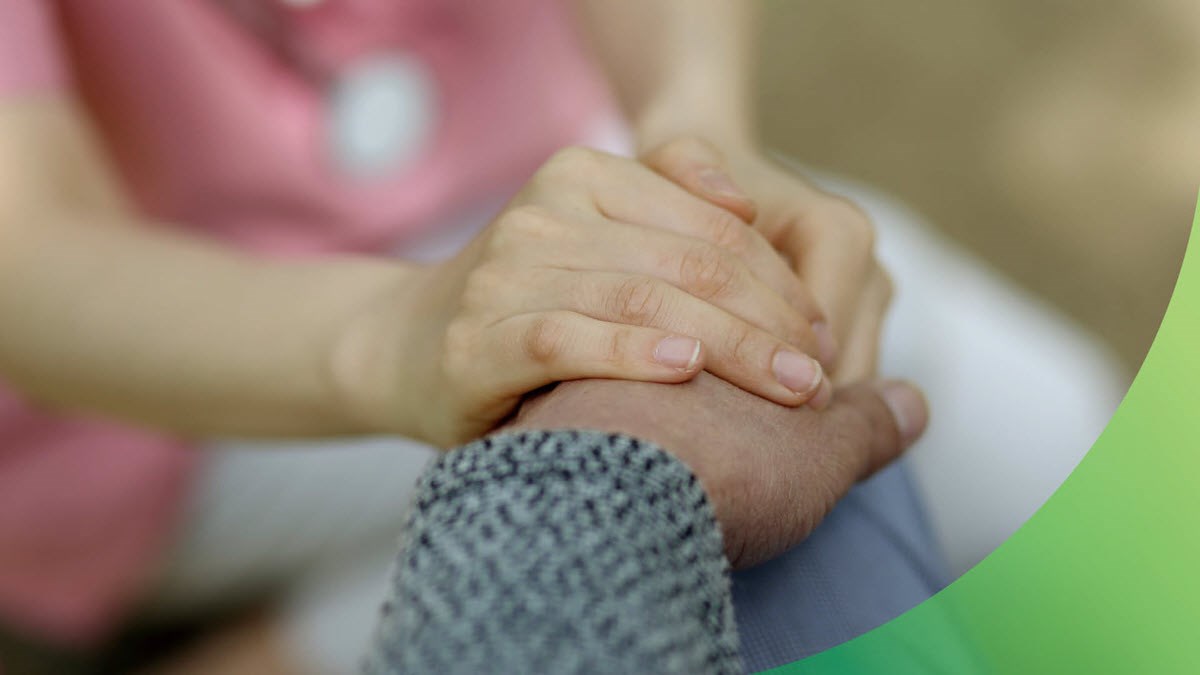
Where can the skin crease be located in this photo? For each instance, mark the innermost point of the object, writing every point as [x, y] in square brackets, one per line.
[222, 343]
[681, 70]
[351, 347]
[827, 240]
[772, 473]
[584, 274]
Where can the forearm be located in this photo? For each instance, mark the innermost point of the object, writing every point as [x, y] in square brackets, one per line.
[589, 551]
[678, 66]
[577, 552]
[104, 315]
[771, 472]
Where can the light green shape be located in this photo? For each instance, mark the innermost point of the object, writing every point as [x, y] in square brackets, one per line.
[1105, 578]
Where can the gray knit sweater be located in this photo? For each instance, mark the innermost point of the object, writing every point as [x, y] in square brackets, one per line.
[559, 552]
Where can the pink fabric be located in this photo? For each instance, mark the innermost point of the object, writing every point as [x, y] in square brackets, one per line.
[84, 507]
[30, 58]
[213, 131]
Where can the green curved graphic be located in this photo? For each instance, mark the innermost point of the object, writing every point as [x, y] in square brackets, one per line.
[1105, 578]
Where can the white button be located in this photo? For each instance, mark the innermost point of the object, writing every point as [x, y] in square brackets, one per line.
[382, 113]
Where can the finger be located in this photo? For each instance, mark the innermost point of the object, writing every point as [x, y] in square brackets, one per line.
[532, 236]
[737, 352]
[834, 247]
[698, 167]
[860, 353]
[703, 270]
[629, 192]
[533, 350]
[870, 424]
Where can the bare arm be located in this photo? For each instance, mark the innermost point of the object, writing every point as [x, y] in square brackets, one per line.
[679, 67]
[102, 310]
[683, 72]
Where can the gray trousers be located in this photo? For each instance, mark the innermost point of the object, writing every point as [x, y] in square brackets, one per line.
[327, 518]
[873, 558]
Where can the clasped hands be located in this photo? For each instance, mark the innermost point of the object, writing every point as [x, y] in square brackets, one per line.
[623, 278]
[772, 472]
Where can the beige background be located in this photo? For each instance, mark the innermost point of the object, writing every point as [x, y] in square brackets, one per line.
[1056, 138]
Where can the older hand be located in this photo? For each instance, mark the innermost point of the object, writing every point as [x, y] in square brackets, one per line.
[825, 238]
[772, 473]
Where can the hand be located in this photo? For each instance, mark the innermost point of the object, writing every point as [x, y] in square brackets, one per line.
[772, 473]
[599, 268]
[827, 240]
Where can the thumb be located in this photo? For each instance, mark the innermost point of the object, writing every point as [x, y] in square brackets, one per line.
[890, 415]
[697, 166]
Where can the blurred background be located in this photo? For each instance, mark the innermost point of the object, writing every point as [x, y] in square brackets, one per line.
[1056, 139]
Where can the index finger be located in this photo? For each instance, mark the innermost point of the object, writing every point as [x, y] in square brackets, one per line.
[637, 195]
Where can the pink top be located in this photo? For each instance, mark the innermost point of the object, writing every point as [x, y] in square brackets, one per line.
[219, 123]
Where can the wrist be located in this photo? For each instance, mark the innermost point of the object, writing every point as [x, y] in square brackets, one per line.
[690, 111]
[369, 355]
[596, 405]
[668, 415]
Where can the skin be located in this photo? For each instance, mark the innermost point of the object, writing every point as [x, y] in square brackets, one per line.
[108, 312]
[584, 274]
[681, 70]
[203, 340]
[772, 472]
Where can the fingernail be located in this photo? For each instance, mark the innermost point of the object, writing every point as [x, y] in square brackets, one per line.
[824, 395]
[908, 407]
[797, 372]
[681, 353]
[826, 343]
[718, 183]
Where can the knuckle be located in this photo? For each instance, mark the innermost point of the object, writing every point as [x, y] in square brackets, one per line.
[854, 223]
[797, 330]
[862, 234]
[528, 220]
[520, 228]
[504, 231]
[688, 145]
[847, 207]
[637, 300]
[727, 232]
[617, 347]
[570, 160]
[545, 340]
[482, 286]
[707, 272]
[800, 298]
[743, 347]
[844, 447]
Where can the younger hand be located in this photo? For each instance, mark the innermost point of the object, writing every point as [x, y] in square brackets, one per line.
[826, 239]
[599, 268]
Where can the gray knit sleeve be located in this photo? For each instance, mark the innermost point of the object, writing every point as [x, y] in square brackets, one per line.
[563, 552]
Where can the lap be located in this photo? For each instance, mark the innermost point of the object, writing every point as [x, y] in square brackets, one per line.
[872, 559]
